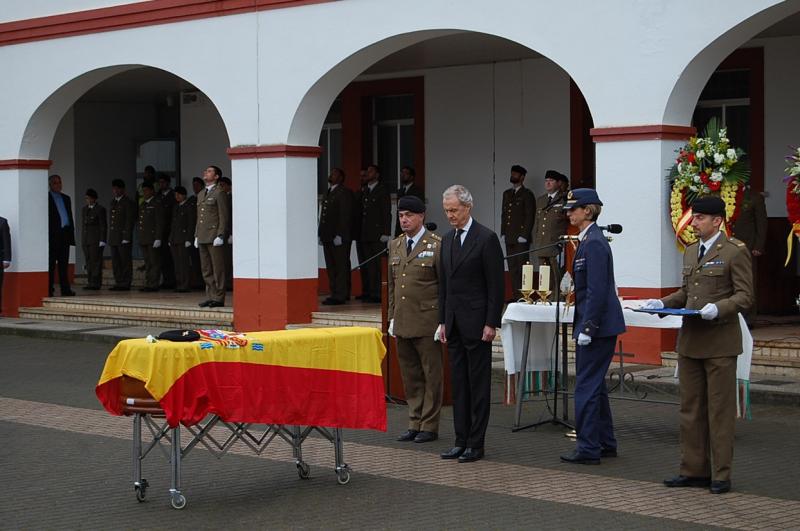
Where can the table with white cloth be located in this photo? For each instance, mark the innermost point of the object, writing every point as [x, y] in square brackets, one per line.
[538, 323]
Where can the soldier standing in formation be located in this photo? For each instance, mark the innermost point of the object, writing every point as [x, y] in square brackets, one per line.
[376, 227]
[335, 220]
[194, 252]
[149, 231]
[519, 213]
[751, 228]
[120, 236]
[407, 187]
[181, 237]
[93, 239]
[717, 281]
[551, 222]
[414, 268]
[167, 198]
[213, 216]
[227, 187]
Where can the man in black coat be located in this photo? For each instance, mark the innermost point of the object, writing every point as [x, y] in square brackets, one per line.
[5, 254]
[61, 233]
[470, 307]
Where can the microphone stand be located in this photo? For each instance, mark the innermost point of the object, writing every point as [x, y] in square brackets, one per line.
[559, 245]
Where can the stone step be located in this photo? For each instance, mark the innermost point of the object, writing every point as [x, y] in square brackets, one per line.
[180, 320]
[760, 364]
[130, 307]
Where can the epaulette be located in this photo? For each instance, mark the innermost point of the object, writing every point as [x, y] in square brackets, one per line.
[737, 243]
[435, 236]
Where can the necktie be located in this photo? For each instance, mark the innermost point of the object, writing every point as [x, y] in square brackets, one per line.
[409, 246]
[702, 252]
[455, 250]
[459, 232]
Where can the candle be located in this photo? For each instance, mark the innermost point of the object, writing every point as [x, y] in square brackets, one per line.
[544, 278]
[527, 277]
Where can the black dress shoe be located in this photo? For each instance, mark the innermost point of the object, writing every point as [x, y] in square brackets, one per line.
[608, 452]
[577, 458]
[425, 436]
[720, 487]
[330, 301]
[470, 455]
[361, 297]
[376, 300]
[215, 304]
[453, 453]
[148, 290]
[204, 304]
[179, 290]
[91, 287]
[408, 435]
[686, 481]
[68, 293]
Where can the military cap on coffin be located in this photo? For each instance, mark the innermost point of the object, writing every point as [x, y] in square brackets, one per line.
[179, 335]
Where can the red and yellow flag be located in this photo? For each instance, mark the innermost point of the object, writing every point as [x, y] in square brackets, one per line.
[312, 377]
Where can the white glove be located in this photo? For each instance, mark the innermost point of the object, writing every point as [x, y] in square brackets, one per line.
[230, 239]
[709, 311]
[337, 240]
[218, 242]
[169, 244]
[385, 238]
[102, 244]
[196, 244]
[156, 244]
[436, 334]
[653, 304]
[187, 244]
[391, 327]
[583, 339]
[520, 239]
[125, 241]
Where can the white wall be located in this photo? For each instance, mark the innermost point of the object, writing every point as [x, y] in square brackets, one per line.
[203, 139]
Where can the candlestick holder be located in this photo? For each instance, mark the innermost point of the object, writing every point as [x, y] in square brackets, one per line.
[544, 296]
[526, 296]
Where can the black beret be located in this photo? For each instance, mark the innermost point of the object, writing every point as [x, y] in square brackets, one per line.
[180, 190]
[411, 203]
[519, 169]
[553, 174]
[118, 183]
[179, 335]
[225, 180]
[91, 193]
[709, 204]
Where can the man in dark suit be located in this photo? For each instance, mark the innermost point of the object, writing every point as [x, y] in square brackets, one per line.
[150, 230]
[121, 222]
[166, 196]
[181, 237]
[470, 304]
[597, 323]
[5, 254]
[376, 227]
[334, 234]
[61, 236]
[407, 187]
[94, 233]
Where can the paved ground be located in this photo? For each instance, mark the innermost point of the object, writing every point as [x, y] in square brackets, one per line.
[65, 463]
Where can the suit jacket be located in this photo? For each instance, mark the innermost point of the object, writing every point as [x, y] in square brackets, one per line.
[598, 312]
[414, 285]
[751, 225]
[151, 222]
[184, 219]
[551, 222]
[54, 220]
[723, 277]
[376, 213]
[519, 213]
[336, 214]
[213, 215]
[122, 220]
[94, 228]
[5, 241]
[471, 287]
[412, 190]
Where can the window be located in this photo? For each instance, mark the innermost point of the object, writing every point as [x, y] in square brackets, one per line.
[393, 136]
[330, 140]
[727, 96]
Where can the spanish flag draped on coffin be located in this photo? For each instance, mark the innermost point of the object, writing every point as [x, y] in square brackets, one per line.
[311, 377]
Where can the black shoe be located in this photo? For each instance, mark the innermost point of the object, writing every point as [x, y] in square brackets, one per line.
[576, 458]
[68, 293]
[330, 301]
[470, 455]
[91, 287]
[720, 487]
[179, 290]
[376, 300]
[119, 288]
[686, 481]
[167, 286]
[204, 304]
[361, 297]
[608, 452]
[215, 304]
[148, 290]
[453, 453]
[425, 436]
[408, 435]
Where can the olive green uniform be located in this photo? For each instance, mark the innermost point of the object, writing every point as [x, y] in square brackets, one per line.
[751, 228]
[122, 220]
[376, 221]
[519, 213]
[184, 218]
[551, 222]
[213, 218]
[707, 352]
[149, 229]
[335, 219]
[94, 229]
[414, 306]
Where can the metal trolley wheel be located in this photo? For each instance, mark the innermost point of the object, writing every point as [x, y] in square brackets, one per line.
[178, 501]
[141, 490]
[343, 477]
[303, 470]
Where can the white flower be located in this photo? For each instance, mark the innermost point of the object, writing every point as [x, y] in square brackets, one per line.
[696, 178]
[718, 158]
[731, 154]
[723, 169]
[680, 167]
[716, 176]
[700, 154]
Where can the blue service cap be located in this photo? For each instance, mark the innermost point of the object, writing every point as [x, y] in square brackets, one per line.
[581, 197]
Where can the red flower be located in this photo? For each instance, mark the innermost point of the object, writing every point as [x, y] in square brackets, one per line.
[714, 185]
[704, 178]
[691, 157]
[792, 204]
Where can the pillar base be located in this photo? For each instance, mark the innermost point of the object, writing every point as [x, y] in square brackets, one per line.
[647, 344]
[269, 304]
[23, 289]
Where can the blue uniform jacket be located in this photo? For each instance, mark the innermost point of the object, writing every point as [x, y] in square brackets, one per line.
[597, 309]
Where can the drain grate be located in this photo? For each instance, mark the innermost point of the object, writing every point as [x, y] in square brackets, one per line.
[769, 382]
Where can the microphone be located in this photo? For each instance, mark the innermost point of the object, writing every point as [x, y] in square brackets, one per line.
[433, 226]
[613, 228]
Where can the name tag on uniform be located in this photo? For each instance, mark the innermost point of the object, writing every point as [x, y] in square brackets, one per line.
[714, 263]
[425, 254]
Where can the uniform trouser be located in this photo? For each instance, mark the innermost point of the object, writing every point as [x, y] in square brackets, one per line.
[337, 263]
[708, 416]
[228, 266]
[183, 268]
[167, 265]
[555, 271]
[93, 254]
[58, 258]
[371, 272]
[752, 311]
[152, 266]
[212, 263]
[420, 361]
[471, 378]
[515, 264]
[593, 421]
[122, 265]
